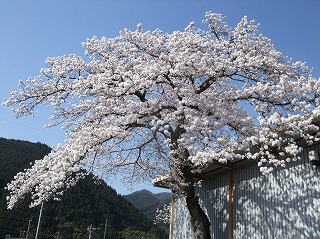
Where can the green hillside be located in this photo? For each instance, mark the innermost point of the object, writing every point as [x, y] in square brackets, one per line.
[147, 202]
[87, 203]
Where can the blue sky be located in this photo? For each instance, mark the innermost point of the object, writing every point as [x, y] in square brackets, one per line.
[31, 31]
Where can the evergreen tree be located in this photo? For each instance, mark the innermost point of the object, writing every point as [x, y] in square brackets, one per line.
[92, 201]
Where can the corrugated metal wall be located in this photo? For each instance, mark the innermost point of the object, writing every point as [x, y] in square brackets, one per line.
[181, 226]
[284, 204]
[214, 194]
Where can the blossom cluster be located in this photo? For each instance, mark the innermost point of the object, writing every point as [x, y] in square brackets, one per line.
[163, 215]
[144, 97]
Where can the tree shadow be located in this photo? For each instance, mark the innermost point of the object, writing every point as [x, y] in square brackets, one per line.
[284, 204]
[182, 225]
[214, 200]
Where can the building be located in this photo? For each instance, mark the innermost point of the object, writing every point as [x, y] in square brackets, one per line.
[242, 203]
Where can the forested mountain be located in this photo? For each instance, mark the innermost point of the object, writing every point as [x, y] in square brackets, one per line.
[148, 202]
[88, 203]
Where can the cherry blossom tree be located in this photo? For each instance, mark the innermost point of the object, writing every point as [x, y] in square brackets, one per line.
[149, 103]
[163, 214]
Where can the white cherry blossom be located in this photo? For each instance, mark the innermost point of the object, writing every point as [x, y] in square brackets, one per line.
[149, 103]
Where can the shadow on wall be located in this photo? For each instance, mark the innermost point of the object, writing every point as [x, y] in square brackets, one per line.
[182, 225]
[284, 204]
[214, 196]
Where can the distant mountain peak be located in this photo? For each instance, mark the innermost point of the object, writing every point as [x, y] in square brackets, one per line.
[84, 204]
[148, 202]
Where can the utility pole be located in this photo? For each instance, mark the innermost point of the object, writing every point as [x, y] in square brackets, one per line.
[28, 228]
[90, 231]
[105, 229]
[39, 220]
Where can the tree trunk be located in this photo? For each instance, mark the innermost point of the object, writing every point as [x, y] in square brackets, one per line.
[199, 220]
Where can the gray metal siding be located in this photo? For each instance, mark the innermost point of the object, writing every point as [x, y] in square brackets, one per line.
[214, 198]
[214, 195]
[181, 225]
[284, 204]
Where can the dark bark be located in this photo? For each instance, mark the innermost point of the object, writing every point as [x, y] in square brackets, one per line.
[199, 220]
[200, 223]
